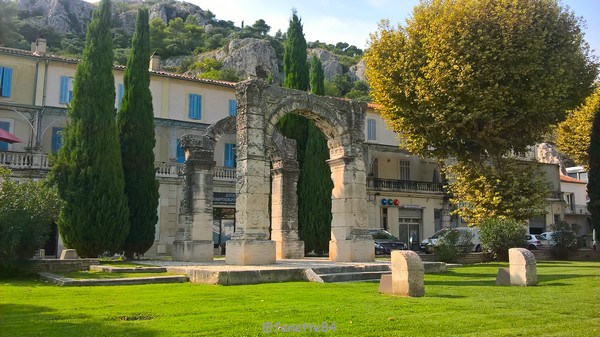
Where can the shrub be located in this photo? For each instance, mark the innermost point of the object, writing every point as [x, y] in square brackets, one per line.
[498, 235]
[452, 244]
[565, 240]
[27, 209]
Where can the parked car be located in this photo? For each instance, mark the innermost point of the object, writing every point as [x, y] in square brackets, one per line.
[548, 236]
[536, 241]
[428, 244]
[385, 242]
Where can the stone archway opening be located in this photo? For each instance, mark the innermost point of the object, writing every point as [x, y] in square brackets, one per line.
[260, 106]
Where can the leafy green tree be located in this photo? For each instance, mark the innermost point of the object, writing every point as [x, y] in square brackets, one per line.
[88, 170]
[135, 122]
[314, 184]
[8, 26]
[27, 209]
[593, 186]
[478, 78]
[295, 66]
[317, 76]
[573, 135]
[504, 188]
[499, 235]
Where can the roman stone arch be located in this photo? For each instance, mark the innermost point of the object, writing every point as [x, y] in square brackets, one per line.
[260, 106]
[193, 240]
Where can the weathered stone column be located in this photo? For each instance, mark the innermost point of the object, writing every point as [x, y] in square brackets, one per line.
[250, 244]
[284, 211]
[350, 239]
[193, 240]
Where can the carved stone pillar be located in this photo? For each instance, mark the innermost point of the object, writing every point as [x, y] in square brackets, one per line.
[193, 240]
[250, 244]
[350, 239]
[284, 210]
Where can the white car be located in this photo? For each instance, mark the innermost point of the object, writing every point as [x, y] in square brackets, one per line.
[548, 236]
[428, 244]
[536, 241]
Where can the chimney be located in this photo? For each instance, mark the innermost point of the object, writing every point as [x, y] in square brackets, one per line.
[155, 62]
[39, 47]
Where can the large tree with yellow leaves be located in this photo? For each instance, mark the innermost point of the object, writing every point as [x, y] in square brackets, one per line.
[479, 78]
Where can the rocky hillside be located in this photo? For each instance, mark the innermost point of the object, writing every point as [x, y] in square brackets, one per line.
[188, 38]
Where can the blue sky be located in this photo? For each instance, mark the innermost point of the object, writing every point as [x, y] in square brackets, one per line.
[352, 21]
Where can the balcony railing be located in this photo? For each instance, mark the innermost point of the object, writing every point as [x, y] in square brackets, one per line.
[24, 160]
[577, 209]
[224, 173]
[168, 169]
[404, 185]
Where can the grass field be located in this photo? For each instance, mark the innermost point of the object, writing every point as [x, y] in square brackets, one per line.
[105, 275]
[461, 302]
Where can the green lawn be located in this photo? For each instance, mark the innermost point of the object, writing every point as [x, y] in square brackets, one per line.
[461, 302]
[105, 275]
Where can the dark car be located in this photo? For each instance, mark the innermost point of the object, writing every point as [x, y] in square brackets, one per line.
[385, 242]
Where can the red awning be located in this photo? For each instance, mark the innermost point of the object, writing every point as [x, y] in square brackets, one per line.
[8, 137]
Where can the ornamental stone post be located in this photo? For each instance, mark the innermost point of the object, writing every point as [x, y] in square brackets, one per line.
[193, 239]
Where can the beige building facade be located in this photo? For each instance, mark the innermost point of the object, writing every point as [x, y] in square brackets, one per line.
[404, 193]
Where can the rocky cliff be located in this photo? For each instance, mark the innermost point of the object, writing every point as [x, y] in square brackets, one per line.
[72, 16]
[251, 58]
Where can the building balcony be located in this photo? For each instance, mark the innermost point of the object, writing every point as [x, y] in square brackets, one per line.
[24, 160]
[404, 186]
[21, 161]
[576, 209]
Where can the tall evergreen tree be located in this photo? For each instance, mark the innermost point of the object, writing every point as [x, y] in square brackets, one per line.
[317, 76]
[135, 122]
[593, 187]
[314, 184]
[314, 191]
[295, 66]
[88, 169]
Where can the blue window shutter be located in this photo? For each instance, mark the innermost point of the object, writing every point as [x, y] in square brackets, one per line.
[232, 107]
[191, 100]
[195, 106]
[120, 93]
[64, 90]
[6, 80]
[229, 155]
[6, 127]
[199, 106]
[56, 139]
[180, 152]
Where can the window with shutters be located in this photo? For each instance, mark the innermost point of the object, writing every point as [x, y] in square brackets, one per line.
[66, 90]
[180, 152]
[404, 169]
[57, 139]
[194, 106]
[371, 129]
[229, 160]
[5, 81]
[232, 107]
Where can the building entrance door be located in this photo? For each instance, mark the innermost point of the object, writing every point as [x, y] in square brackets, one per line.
[410, 234]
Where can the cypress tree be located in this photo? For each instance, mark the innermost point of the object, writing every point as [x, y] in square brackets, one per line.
[87, 170]
[295, 66]
[314, 184]
[317, 76]
[593, 186]
[135, 122]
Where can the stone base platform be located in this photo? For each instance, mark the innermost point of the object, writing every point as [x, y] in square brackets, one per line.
[218, 272]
